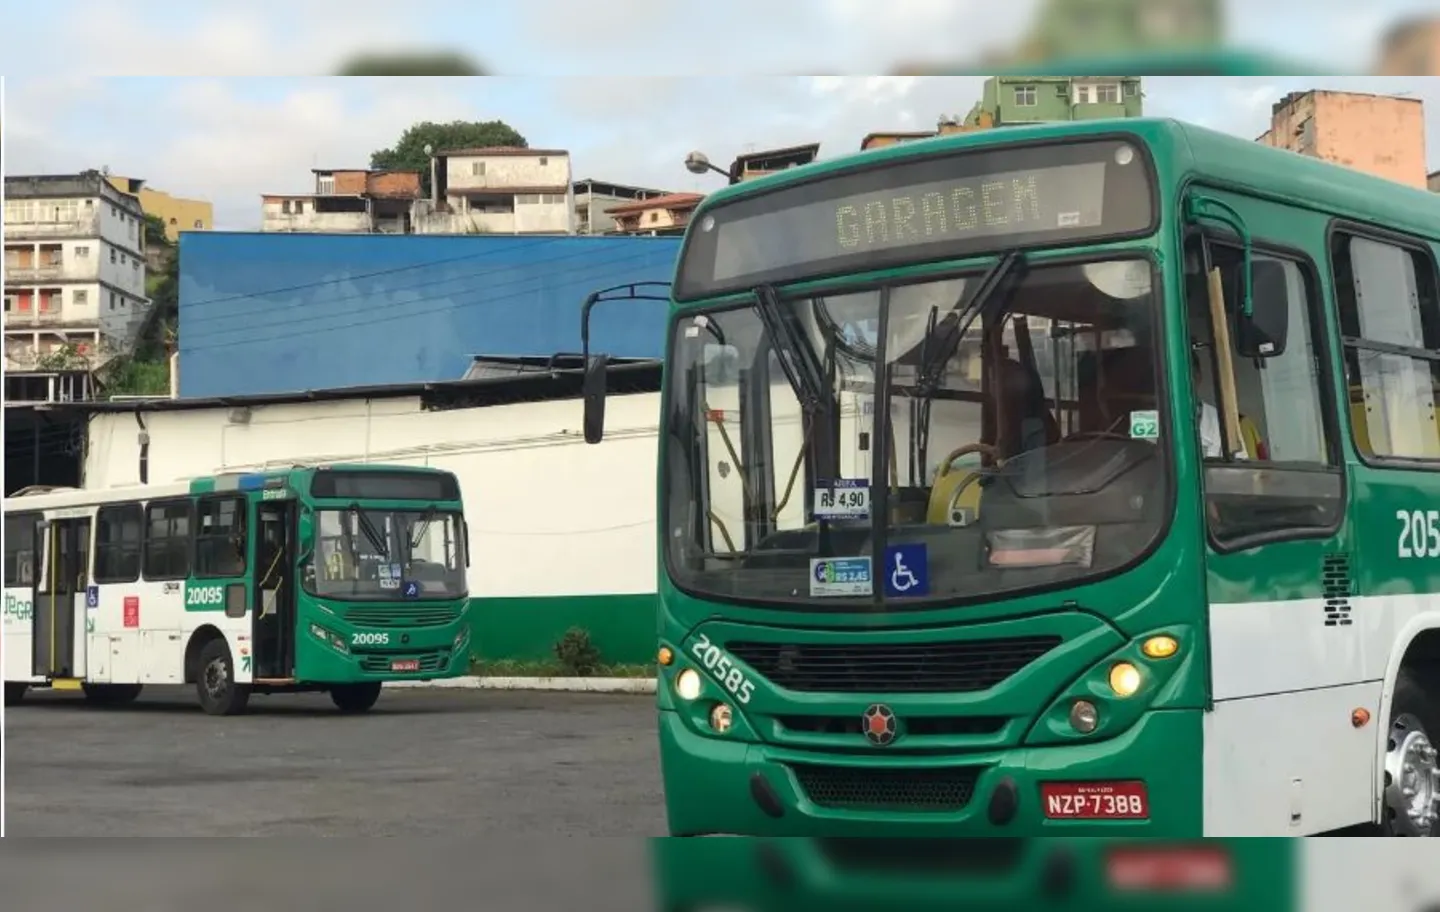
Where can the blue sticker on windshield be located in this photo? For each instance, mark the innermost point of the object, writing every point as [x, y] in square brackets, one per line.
[409, 589]
[840, 576]
[907, 571]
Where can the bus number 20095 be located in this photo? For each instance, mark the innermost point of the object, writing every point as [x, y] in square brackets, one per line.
[369, 638]
[723, 668]
[1419, 533]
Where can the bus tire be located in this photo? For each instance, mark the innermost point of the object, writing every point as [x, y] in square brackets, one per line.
[15, 692]
[1411, 757]
[355, 698]
[111, 694]
[215, 682]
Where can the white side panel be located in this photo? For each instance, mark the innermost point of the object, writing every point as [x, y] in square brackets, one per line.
[1285, 686]
[1289, 765]
[15, 634]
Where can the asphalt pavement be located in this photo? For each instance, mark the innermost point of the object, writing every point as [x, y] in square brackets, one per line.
[421, 763]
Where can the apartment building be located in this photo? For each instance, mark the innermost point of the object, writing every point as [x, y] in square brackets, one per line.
[660, 215]
[758, 164]
[1011, 100]
[177, 213]
[74, 268]
[1377, 134]
[594, 199]
[500, 190]
[346, 201]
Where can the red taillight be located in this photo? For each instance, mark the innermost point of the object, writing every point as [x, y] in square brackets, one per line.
[1169, 869]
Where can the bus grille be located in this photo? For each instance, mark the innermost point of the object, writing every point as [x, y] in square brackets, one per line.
[401, 615]
[959, 667]
[883, 789]
[380, 664]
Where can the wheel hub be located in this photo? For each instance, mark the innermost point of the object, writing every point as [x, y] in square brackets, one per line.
[215, 675]
[1412, 775]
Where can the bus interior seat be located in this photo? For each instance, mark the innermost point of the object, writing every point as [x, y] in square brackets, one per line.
[1021, 398]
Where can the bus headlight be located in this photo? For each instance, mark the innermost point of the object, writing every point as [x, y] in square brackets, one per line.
[687, 684]
[1124, 679]
[1084, 717]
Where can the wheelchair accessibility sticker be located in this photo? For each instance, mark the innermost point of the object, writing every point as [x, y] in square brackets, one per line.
[907, 571]
[840, 576]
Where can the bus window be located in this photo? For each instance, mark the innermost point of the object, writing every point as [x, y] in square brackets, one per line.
[220, 538]
[118, 543]
[1282, 417]
[20, 550]
[167, 540]
[1386, 295]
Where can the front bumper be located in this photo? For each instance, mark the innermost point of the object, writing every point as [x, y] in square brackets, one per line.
[716, 786]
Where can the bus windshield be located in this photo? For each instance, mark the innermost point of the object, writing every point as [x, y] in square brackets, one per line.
[369, 554]
[1013, 441]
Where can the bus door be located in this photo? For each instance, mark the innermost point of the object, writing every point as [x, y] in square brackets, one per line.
[60, 598]
[274, 614]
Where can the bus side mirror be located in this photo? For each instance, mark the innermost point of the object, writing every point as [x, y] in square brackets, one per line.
[1264, 332]
[593, 390]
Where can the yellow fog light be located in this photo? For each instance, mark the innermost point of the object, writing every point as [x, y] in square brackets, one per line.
[666, 656]
[687, 684]
[721, 718]
[1160, 647]
[1084, 717]
[1124, 679]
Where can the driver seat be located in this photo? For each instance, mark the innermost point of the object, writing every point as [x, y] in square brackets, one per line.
[1023, 418]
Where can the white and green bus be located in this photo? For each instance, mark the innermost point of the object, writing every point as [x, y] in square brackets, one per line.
[329, 578]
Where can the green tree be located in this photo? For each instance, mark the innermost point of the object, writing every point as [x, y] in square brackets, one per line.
[155, 232]
[408, 153]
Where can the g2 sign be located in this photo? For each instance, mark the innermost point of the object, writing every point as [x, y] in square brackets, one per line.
[1419, 533]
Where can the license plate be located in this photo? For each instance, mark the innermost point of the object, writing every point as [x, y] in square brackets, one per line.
[405, 665]
[1095, 800]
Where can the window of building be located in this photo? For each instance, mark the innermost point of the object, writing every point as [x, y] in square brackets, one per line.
[527, 199]
[198, 223]
[477, 169]
[112, 255]
[167, 540]
[134, 265]
[299, 207]
[80, 296]
[544, 160]
[82, 252]
[172, 220]
[654, 216]
[1132, 89]
[220, 538]
[20, 539]
[285, 206]
[118, 543]
[1026, 96]
[325, 185]
[1108, 93]
[112, 300]
[1390, 323]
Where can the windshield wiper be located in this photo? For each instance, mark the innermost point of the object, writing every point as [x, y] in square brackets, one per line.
[421, 526]
[796, 358]
[368, 528]
[990, 295]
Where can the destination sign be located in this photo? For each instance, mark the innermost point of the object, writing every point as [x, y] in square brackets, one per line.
[913, 211]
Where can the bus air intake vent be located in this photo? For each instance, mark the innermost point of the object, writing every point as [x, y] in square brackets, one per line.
[1338, 588]
[401, 615]
[884, 789]
[967, 666]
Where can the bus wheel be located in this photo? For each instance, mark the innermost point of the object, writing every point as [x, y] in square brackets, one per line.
[215, 682]
[355, 698]
[15, 692]
[111, 694]
[1412, 764]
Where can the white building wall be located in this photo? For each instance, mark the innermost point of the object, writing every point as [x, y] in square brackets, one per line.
[505, 172]
[274, 218]
[549, 515]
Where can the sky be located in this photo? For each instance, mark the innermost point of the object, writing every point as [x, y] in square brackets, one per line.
[629, 88]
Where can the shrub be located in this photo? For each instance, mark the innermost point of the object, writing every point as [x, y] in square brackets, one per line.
[577, 655]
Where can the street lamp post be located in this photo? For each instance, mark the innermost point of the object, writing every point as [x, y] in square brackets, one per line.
[430, 154]
[698, 162]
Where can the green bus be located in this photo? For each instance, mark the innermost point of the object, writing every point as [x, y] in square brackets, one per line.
[1065, 479]
[332, 578]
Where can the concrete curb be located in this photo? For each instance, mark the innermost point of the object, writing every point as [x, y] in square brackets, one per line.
[572, 685]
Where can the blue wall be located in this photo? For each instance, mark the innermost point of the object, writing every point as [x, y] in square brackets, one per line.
[268, 313]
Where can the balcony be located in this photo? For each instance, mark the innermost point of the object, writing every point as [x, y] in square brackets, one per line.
[84, 226]
[21, 275]
[25, 319]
